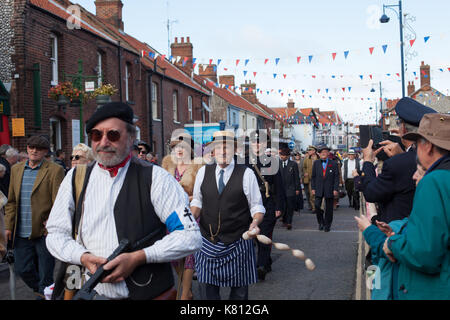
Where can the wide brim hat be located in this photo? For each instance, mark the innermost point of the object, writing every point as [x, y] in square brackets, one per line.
[323, 147]
[351, 152]
[312, 148]
[411, 111]
[434, 127]
[182, 137]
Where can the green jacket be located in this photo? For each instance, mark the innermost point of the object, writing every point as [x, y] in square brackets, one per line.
[423, 251]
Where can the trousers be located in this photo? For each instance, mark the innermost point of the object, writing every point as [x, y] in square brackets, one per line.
[212, 292]
[266, 228]
[326, 222]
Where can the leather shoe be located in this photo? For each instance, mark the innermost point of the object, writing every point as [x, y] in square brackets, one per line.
[289, 226]
[326, 229]
[261, 273]
[320, 227]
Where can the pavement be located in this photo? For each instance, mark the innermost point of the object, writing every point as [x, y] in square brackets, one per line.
[334, 254]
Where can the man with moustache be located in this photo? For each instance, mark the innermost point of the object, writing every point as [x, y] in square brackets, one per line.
[123, 198]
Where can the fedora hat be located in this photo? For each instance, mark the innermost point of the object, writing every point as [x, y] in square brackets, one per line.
[322, 147]
[434, 127]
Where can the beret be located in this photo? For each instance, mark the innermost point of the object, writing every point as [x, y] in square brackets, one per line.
[411, 111]
[110, 110]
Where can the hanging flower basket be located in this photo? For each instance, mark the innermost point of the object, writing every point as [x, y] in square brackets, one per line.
[75, 103]
[103, 99]
[62, 100]
[103, 94]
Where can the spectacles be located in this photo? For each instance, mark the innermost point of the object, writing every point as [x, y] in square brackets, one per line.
[76, 157]
[97, 135]
[141, 151]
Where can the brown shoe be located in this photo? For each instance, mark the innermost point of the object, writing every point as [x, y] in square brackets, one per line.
[289, 226]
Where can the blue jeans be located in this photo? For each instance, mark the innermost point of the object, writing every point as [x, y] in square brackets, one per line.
[33, 263]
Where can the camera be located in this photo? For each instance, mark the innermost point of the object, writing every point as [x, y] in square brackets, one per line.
[376, 133]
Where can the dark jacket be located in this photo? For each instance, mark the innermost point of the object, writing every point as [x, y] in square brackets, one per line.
[345, 167]
[324, 186]
[4, 182]
[394, 187]
[290, 177]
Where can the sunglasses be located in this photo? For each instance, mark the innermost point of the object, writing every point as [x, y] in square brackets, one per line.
[77, 157]
[142, 151]
[97, 135]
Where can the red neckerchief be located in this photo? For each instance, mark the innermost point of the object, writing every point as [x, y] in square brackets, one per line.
[114, 170]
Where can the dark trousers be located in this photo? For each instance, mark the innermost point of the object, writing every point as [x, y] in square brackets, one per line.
[308, 196]
[33, 263]
[212, 292]
[353, 197]
[291, 203]
[266, 228]
[326, 222]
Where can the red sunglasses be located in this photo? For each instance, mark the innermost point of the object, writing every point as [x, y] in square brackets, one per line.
[97, 135]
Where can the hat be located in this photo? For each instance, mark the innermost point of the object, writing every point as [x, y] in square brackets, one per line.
[110, 110]
[182, 137]
[411, 111]
[322, 147]
[312, 148]
[434, 127]
[39, 142]
[351, 152]
[142, 143]
[223, 136]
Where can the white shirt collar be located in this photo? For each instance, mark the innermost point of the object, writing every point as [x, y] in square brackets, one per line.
[227, 169]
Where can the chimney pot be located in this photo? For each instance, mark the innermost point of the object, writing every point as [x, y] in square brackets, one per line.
[187, 40]
[176, 40]
[182, 39]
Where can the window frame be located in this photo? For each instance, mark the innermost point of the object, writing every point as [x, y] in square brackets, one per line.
[54, 59]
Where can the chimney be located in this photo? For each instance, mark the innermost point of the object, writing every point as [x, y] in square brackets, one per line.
[291, 103]
[64, 3]
[411, 88]
[185, 51]
[425, 80]
[110, 11]
[248, 91]
[227, 80]
[208, 71]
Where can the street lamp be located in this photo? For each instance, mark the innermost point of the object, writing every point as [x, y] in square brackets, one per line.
[376, 105]
[385, 19]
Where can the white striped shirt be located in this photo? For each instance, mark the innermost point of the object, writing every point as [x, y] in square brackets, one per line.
[97, 233]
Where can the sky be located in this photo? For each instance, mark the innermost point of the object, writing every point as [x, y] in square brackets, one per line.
[281, 31]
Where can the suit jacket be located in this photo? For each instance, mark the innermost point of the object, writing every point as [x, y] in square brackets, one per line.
[324, 186]
[43, 195]
[394, 187]
[357, 165]
[290, 177]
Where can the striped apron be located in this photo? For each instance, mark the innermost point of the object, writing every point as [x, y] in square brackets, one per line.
[226, 266]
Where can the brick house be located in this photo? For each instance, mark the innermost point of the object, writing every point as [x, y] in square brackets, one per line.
[44, 50]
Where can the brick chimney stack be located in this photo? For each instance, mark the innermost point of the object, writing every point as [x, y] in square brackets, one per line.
[110, 11]
[291, 103]
[425, 75]
[208, 71]
[250, 94]
[185, 51]
[411, 88]
[227, 80]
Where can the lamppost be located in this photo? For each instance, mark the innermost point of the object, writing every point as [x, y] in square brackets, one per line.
[385, 19]
[376, 105]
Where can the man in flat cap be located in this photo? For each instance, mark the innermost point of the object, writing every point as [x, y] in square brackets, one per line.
[122, 197]
[422, 250]
[394, 188]
[228, 201]
[325, 184]
[32, 192]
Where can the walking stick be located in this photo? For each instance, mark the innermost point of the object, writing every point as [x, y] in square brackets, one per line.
[180, 272]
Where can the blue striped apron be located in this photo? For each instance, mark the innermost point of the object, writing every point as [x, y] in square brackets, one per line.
[226, 266]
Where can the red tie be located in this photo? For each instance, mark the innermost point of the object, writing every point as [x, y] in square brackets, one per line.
[114, 170]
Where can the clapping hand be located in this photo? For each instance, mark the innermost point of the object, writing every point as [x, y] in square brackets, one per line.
[363, 222]
[387, 230]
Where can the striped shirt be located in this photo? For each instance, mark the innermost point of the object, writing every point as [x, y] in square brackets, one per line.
[28, 178]
[97, 233]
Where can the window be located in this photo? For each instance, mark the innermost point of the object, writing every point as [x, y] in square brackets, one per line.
[234, 119]
[341, 139]
[54, 59]
[190, 107]
[175, 106]
[244, 124]
[55, 134]
[155, 110]
[128, 82]
[99, 69]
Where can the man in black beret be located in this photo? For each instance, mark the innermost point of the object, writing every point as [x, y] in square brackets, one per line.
[127, 199]
[394, 188]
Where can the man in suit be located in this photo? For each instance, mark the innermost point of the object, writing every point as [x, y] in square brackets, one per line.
[32, 191]
[350, 164]
[394, 188]
[291, 181]
[325, 184]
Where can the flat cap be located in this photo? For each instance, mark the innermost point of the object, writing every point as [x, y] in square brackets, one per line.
[411, 111]
[39, 142]
[110, 110]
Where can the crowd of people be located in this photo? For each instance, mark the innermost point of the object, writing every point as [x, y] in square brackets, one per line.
[189, 213]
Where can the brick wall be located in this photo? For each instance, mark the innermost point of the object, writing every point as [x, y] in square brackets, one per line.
[6, 37]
